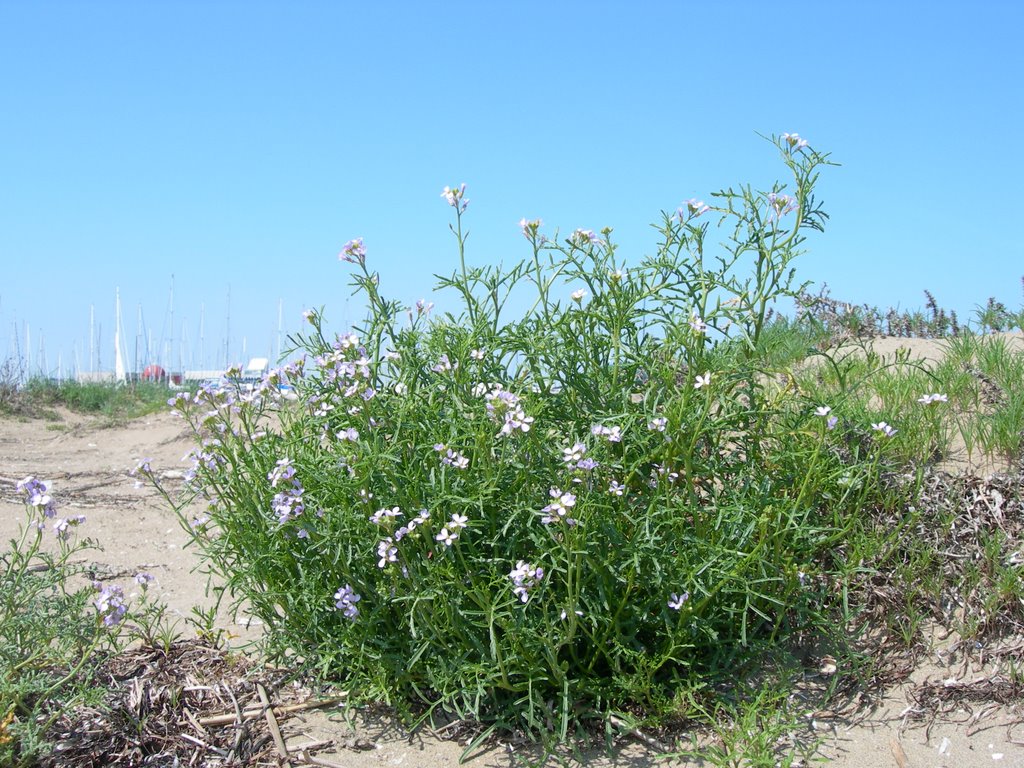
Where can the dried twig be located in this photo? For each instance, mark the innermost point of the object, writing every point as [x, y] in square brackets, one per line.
[250, 713]
[275, 731]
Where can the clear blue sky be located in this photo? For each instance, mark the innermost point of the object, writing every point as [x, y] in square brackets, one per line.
[242, 143]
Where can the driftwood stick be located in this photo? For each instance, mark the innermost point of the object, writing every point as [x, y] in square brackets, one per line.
[268, 711]
[650, 741]
[250, 713]
[309, 759]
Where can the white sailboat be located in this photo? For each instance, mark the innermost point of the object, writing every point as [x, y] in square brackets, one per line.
[120, 375]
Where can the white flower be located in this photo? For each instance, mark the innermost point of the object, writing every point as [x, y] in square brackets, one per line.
[884, 428]
[447, 538]
[822, 410]
[658, 425]
[579, 295]
[702, 381]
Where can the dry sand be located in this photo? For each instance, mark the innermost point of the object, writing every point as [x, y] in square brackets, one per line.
[89, 464]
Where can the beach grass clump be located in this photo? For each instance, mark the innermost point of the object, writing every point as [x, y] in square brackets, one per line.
[112, 400]
[596, 511]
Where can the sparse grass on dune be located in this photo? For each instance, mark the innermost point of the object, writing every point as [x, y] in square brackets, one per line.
[38, 397]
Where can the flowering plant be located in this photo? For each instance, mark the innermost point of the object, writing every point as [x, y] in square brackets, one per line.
[538, 520]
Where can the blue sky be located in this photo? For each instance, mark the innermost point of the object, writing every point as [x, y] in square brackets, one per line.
[238, 145]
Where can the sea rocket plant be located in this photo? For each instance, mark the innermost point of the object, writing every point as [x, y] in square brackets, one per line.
[478, 417]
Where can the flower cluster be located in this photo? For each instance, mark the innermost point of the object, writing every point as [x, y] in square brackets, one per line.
[676, 602]
[444, 365]
[354, 252]
[345, 600]
[530, 229]
[524, 578]
[287, 503]
[504, 407]
[691, 208]
[387, 552]
[37, 494]
[456, 198]
[421, 518]
[884, 428]
[794, 141]
[62, 527]
[381, 515]
[450, 532]
[612, 434]
[559, 508]
[781, 204]
[110, 604]
[824, 412]
[451, 458]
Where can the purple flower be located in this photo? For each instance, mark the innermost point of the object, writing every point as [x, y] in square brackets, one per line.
[345, 600]
[144, 578]
[524, 578]
[444, 365]
[381, 515]
[658, 424]
[616, 488]
[586, 464]
[288, 504]
[584, 237]
[447, 537]
[613, 434]
[283, 470]
[781, 204]
[456, 198]
[794, 141]
[692, 207]
[110, 604]
[530, 228]
[37, 494]
[559, 508]
[676, 602]
[387, 552]
[831, 423]
[455, 459]
[572, 455]
[933, 398]
[354, 252]
[62, 527]
[884, 428]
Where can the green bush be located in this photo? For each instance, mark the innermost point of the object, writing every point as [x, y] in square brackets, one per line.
[548, 520]
[52, 633]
